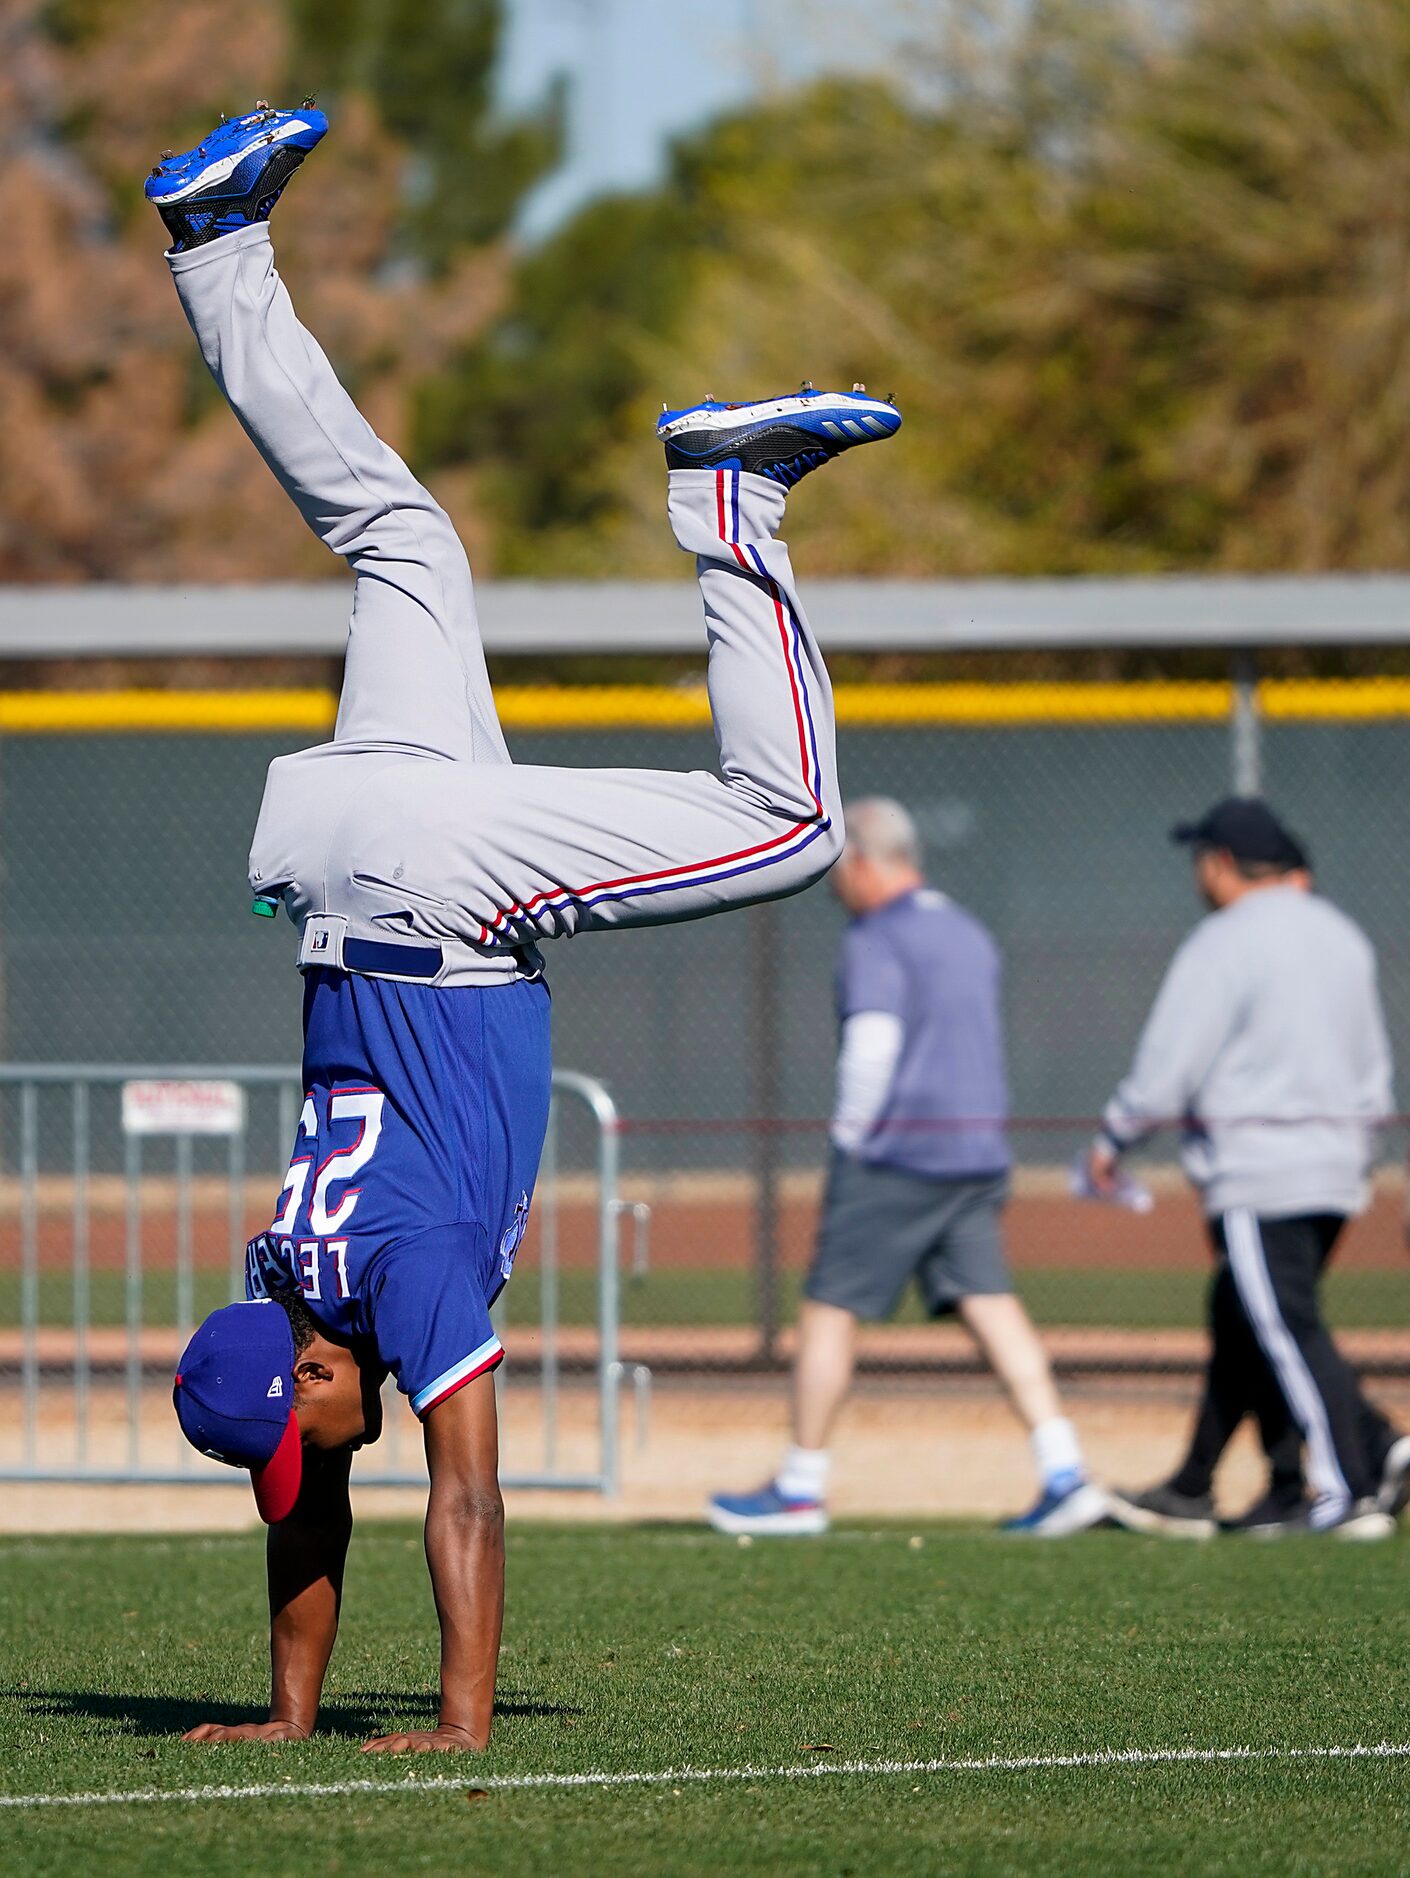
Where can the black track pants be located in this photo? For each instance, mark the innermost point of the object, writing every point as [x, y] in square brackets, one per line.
[1274, 1267]
[1238, 1381]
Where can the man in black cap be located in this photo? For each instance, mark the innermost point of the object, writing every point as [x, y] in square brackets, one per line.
[1267, 1046]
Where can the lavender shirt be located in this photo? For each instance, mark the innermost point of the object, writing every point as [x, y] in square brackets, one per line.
[929, 963]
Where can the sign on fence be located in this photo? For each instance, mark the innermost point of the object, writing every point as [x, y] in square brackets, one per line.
[183, 1108]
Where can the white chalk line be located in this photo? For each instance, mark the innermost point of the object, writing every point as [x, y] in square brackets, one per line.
[701, 1776]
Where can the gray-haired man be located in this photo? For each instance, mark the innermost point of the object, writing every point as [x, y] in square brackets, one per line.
[918, 1179]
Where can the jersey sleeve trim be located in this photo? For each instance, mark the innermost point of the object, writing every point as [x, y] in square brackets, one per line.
[456, 1377]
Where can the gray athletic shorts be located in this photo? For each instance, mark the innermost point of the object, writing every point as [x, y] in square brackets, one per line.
[881, 1227]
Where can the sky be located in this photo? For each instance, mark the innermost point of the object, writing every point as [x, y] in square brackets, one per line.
[642, 71]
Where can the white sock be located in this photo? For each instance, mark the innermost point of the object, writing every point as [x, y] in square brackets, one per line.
[1057, 1453]
[803, 1474]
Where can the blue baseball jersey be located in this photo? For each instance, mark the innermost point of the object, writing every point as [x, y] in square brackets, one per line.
[413, 1168]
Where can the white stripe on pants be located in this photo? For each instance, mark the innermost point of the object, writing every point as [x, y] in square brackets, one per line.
[1249, 1265]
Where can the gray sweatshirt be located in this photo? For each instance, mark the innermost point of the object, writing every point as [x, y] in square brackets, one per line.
[1267, 1041]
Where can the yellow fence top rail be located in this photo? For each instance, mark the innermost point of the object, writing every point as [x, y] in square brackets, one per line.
[665, 707]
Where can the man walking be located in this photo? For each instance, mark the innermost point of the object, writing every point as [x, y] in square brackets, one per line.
[918, 1179]
[1267, 1044]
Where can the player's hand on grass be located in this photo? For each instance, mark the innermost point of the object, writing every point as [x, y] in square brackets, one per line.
[213, 1732]
[447, 1739]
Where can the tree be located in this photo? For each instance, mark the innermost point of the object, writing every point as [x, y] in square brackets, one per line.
[1135, 276]
[116, 459]
[428, 66]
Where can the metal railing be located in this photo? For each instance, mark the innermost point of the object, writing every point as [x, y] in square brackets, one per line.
[127, 1195]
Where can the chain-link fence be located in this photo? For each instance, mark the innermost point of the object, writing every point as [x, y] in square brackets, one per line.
[124, 1217]
[125, 936]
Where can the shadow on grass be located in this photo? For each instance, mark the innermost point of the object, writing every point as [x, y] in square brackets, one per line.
[353, 1716]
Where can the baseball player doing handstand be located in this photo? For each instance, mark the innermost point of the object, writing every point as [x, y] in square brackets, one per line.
[421, 868]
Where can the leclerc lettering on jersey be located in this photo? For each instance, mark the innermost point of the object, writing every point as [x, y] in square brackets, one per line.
[399, 1219]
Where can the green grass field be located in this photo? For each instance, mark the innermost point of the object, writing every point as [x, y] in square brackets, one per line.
[659, 1649]
[1132, 1300]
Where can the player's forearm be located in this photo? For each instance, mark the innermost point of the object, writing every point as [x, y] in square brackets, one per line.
[465, 1552]
[301, 1637]
[305, 1556]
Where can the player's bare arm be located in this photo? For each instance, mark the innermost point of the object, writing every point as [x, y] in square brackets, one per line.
[465, 1553]
[305, 1555]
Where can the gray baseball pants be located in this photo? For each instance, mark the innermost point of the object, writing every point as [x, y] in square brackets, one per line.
[414, 818]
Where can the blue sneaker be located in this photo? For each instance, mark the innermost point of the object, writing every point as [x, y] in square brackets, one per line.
[782, 438]
[767, 1514]
[236, 176]
[1064, 1507]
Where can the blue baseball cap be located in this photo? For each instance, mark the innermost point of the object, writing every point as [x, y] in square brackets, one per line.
[234, 1397]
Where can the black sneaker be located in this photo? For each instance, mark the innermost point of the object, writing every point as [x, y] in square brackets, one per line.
[1164, 1512]
[1361, 1520]
[1272, 1517]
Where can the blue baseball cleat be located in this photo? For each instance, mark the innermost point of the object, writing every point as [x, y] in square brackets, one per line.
[236, 176]
[782, 438]
[1064, 1507]
[767, 1514]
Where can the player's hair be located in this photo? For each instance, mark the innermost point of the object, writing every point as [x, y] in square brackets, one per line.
[1255, 870]
[301, 1320]
[880, 829]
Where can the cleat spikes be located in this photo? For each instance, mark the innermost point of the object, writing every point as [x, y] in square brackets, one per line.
[783, 439]
[234, 177]
[859, 388]
[261, 104]
[807, 385]
[309, 99]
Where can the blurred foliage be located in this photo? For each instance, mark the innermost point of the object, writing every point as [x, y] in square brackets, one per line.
[545, 400]
[117, 457]
[428, 66]
[1135, 273]
[1137, 281]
